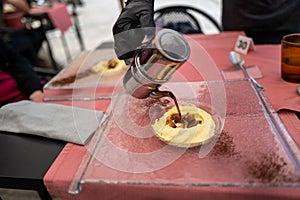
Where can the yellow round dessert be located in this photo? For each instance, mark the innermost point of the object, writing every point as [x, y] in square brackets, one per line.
[109, 67]
[194, 127]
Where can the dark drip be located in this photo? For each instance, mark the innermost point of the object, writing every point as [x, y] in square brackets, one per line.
[159, 94]
[172, 96]
[187, 121]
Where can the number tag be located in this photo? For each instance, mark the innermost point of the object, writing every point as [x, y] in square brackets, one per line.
[244, 44]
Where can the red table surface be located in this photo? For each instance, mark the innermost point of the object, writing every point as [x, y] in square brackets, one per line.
[281, 94]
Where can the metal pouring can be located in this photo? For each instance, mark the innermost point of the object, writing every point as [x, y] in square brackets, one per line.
[155, 62]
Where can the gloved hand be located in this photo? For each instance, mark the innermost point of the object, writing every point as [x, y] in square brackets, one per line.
[134, 23]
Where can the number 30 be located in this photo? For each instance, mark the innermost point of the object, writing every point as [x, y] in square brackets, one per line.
[242, 44]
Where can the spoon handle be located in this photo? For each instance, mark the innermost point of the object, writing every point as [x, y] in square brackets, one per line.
[259, 86]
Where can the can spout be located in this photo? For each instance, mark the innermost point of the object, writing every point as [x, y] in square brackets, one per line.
[157, 94]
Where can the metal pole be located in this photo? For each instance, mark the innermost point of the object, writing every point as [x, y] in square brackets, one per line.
[122, 4]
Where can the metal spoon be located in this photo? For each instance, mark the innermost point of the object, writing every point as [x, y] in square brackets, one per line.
[237, 60]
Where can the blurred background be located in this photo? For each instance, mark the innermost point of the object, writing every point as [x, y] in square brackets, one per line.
[96, 18]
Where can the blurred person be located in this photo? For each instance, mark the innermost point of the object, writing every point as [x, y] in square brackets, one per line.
[26, 42]
[266, 21]
[18, 80]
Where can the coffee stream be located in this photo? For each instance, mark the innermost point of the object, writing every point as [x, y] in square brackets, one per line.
[172, 96]
[158, 94]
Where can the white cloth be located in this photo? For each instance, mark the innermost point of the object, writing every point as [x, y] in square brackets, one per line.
[55, 121]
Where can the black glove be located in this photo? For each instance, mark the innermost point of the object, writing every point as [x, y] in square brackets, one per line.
[134, 23]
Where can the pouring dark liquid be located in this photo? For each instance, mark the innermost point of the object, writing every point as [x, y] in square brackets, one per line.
[158, 94]
[187, 121]
[172, 96]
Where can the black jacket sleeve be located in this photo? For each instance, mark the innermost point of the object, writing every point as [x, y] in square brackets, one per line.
[19, 68]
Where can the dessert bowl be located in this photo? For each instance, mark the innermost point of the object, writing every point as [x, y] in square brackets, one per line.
[196, 125]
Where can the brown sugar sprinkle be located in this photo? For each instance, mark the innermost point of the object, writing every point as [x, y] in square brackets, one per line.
[225, 147]
[267, 169]
[186, 121]
[112, 63]
[71, 79]
[64, 81]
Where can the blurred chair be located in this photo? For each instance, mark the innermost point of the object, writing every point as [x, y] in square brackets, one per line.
[44, 74]
[75, 4]
[121, 2]
[184, 19]
[49, 20]
[42, 22]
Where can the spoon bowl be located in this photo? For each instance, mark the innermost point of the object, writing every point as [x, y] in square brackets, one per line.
[237, 60]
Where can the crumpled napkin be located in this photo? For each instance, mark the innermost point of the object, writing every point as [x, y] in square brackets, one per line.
[55, 121]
